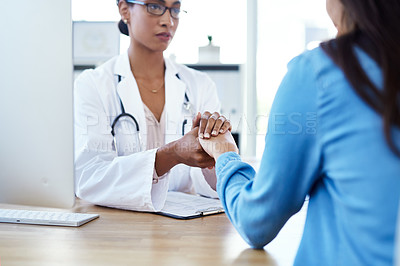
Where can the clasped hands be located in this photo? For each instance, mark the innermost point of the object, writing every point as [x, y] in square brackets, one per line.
[209, 138]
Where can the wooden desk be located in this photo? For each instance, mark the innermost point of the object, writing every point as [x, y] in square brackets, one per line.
[130, 238]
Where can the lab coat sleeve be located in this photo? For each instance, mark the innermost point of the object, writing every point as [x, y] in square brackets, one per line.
[207, 101]
[101, 177]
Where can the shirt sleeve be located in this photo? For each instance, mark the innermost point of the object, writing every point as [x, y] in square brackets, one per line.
[260, 204]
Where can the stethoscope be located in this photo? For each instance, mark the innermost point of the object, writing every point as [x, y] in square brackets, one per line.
[187, 106]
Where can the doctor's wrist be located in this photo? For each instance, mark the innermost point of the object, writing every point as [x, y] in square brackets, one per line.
[166, 158]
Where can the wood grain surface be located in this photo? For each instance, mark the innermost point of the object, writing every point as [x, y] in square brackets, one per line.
[121, 237]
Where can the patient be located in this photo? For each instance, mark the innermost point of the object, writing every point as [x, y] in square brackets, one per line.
[397, 252]
[333, 135]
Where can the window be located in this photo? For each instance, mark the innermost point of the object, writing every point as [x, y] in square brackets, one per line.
[286, 28]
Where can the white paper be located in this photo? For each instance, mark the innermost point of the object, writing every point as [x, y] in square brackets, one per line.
[186, 205]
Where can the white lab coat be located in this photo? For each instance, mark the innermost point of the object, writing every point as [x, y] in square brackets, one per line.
[125, 180]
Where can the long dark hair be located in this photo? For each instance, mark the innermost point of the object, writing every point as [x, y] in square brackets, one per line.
[377, 32]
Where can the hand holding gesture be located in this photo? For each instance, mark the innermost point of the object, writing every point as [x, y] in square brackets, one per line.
[216, 146]
[210, 125]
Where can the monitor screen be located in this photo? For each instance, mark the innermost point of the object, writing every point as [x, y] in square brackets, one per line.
[36, 106]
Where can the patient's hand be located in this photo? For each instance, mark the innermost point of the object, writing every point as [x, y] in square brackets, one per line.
[216, 146]
[210, 125]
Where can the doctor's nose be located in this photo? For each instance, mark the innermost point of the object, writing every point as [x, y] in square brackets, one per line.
[166, 19]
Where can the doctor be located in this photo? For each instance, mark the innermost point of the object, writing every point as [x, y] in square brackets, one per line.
[134, 134]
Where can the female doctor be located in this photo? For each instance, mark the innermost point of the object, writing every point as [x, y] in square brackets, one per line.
[134, 134]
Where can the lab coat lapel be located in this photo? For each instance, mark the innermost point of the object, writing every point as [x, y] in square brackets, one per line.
[174, 98]
[129, 94]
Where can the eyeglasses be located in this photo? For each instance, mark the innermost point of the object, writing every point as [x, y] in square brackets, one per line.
[159, 10]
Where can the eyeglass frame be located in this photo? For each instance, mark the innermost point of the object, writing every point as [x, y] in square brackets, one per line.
[165, 8]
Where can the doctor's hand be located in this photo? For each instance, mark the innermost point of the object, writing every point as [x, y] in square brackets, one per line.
[186, 150]
[216, 146]
[190, 152]
[210, 125]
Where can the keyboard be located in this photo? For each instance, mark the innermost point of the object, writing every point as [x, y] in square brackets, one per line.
[45, 217]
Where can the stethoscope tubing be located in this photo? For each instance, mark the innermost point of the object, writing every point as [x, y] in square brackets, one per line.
[186, 105]
[120, 116]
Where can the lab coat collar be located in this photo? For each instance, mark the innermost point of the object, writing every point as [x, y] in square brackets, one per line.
[122, 66]
[170, 67]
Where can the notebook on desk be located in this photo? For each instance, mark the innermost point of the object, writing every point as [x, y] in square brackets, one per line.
[186, 206]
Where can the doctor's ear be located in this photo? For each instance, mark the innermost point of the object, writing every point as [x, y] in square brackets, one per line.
[124, 10]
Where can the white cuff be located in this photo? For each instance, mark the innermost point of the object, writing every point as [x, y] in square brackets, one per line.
[159, 190]
[156, 178]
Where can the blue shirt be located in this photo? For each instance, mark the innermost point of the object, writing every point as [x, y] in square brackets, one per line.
[324, 141]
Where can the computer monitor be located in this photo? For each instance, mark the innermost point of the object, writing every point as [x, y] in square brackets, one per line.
[36, 103]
